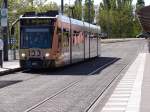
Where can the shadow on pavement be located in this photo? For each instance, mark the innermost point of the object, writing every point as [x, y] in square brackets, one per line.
[8, 83]
[82, 68]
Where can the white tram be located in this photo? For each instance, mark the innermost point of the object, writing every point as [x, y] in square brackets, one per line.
[51, 40]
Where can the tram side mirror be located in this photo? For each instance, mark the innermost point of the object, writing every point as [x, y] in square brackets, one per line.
[12, 30]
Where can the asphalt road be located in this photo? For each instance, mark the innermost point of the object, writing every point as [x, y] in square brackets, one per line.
[68, 89]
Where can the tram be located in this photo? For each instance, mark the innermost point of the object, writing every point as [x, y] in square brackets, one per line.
[50, 40]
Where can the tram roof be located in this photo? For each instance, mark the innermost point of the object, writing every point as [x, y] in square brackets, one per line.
[66, 19]
[77, 22]
[36, 17]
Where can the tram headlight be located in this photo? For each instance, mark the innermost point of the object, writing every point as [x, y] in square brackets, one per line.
[23, 55]
[47, 55]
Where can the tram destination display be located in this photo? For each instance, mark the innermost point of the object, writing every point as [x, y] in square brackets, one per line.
[36, 22]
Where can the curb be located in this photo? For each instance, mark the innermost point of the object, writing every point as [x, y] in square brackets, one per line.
[9, 71]
[114, 41]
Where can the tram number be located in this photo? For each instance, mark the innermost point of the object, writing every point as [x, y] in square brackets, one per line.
[34, 53]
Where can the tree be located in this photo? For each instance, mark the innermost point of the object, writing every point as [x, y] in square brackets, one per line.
[107, 4]
[19, 7]
[47, 7]
[30, 2]
[78, 10]
[116, 17]
[140, 4]
[1, 2]
[66, 9]
[87, 12]
[40, 2]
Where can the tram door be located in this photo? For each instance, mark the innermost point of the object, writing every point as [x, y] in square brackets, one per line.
[87, 45]
[65, 46]
[93, 45]
[77, 46]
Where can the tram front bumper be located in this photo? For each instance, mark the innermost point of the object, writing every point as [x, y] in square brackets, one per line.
[32, 63]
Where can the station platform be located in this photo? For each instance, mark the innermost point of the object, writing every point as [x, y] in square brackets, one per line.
[132, 92]
[119, 40]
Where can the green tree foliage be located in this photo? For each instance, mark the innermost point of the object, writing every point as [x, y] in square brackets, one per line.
[78, 9]
[0, 2]
[107, 4]
[19, 7]
[140, 4]
[46, 7]
[117, 19]
[74, 11]
[66, 9]
[39, 2]
[87, 12]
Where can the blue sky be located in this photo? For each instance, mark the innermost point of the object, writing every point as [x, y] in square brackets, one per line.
[147, 2]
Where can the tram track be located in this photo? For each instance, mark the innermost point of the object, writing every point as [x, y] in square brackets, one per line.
[117, 76]
[93, 104]
[76, 82]
[68, 86]
[77, 85]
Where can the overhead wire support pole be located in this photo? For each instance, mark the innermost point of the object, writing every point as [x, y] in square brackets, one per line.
[70, 33]
[82, 1]
[5, 28]
[89, 19]
[62, 7]
[108, 23]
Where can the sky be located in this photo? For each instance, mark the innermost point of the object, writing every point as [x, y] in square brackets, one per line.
[96, 2]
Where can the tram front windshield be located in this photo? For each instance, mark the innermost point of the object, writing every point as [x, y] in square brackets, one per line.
[36, 38]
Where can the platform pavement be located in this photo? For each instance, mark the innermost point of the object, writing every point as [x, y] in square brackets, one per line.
[9, 66]
[132, 93]
[119, 40]
[145, 95]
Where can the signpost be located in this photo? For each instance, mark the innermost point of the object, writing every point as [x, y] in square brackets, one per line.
[4, 25]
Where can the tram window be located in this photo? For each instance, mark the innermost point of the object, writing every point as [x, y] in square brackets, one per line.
[59, 37]
[65, 39]
[58, 30]
[36, 38]
[59, 40]
[77, 34]
[86, 34]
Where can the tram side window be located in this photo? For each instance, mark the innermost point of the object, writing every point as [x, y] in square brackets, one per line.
[73, 37]
[65, 38]
[78, 38]
[86, 34]
[59, 37]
